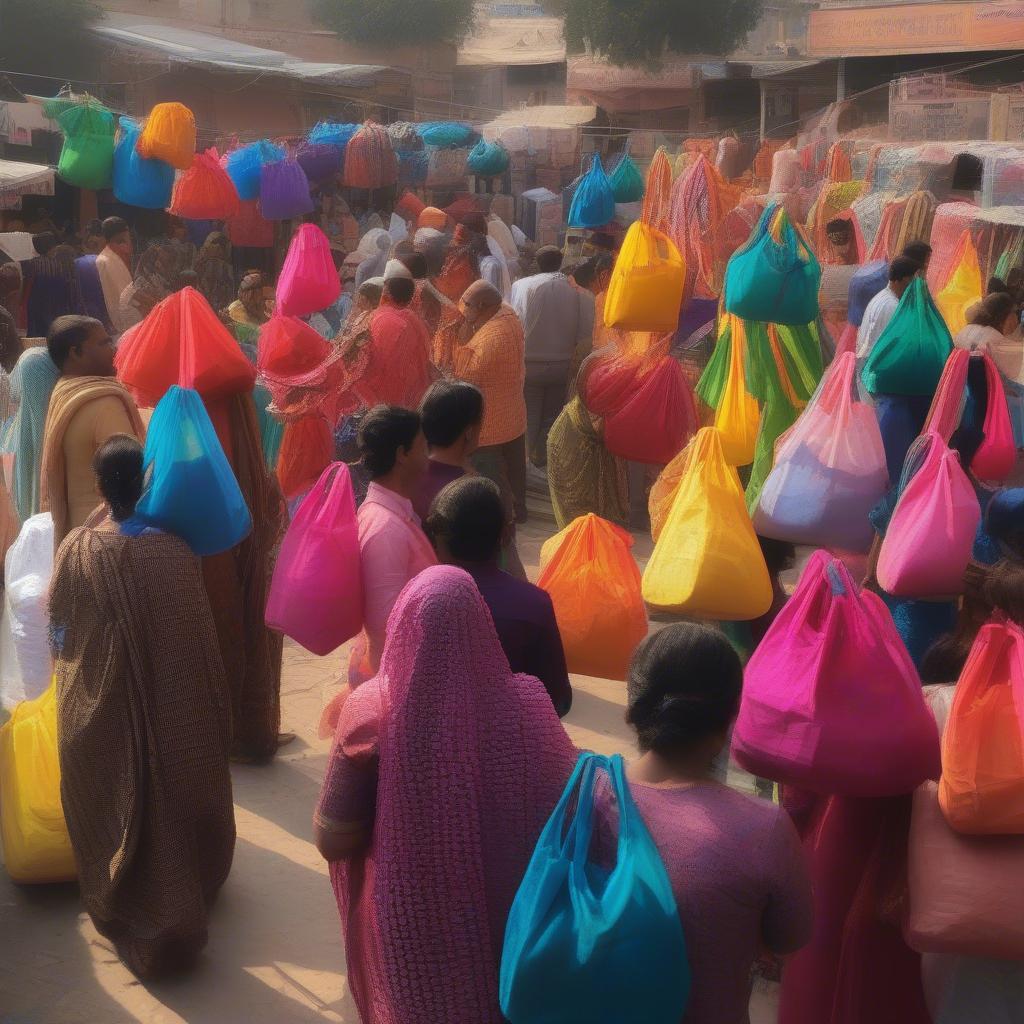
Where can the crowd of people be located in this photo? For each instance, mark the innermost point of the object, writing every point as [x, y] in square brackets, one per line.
[452, 381]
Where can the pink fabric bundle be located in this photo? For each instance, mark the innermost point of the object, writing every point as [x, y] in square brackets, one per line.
[931, 534]
[948, 404]
[309, 281]
[831, 700]
[995, 458]
[472, 760]
[316, 595]
[655, 422]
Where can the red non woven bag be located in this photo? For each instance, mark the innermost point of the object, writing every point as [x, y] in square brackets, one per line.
[609, 384]
[656, 420]
[316, 595]
[182, 341]
[306, 449]
[370, 160]
[204, 191]
[289, 347]
[995, 458]
[309, 281]
[831, 700]
[249, 228]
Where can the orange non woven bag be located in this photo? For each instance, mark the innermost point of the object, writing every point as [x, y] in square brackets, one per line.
[982, 787]
[963, 288]
[307, 449]
[594, 584]
[707, 562]
[169, 135]
[204, 191]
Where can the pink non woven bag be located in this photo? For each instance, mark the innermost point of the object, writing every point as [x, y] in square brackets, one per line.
[831, 700]
[931, 534]
[997, 454]
[309, 281]
[316, 595]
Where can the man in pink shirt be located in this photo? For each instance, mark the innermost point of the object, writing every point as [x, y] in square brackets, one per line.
[392, 546]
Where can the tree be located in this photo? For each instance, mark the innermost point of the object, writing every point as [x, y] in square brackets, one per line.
[396, 22]
[47, 37]
[642, 31]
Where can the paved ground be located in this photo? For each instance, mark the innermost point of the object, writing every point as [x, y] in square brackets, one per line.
[275, 954]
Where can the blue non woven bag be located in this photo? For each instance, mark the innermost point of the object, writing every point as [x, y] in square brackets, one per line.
[139, 182]
[245, 165]
[593, 202]
[867, 281]
[190, 489]
[488, 159]
[588, 945]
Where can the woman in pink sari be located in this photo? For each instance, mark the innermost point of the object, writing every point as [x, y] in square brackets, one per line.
[444, 769]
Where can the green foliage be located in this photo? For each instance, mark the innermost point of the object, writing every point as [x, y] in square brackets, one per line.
[47, 37]
[396, 22]
[640, 31]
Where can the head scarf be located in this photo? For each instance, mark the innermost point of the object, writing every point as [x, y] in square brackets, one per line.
[432, 217]
[32, 382]
[472, 762]
[372, 253]
[409, 205]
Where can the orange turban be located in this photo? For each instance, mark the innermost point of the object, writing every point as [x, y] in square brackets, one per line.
[432, 217]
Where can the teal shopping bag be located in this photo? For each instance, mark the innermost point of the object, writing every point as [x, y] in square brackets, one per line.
[589, 945]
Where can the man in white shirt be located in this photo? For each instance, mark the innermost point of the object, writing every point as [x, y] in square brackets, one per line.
[882, 307]
[549, 305]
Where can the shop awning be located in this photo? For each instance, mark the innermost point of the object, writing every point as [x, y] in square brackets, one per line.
[18, 179]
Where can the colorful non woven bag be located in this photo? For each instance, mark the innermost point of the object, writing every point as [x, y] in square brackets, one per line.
[288, 346]
[963, 288]
[996, 457]
[646, 286]
[775, 278]
[594, 584]
[182, 341]
[982, 786]
[707, 562]
[965, 893]
[723, 386]
[169, 135]
[284, 191]
[593, 202]
[249, 228]
[831, 700]
[87, 156]
[656, 420]
[626, 180]
[204, 191]
[829, 470]
[190, 489]
[36, 844]
[584, 943]
[139, 182]
[867, 281]
[316, 596]
[320, 160]
[488, 159]
[910, 353]
[370, 160]
[309, 281]
[245, 166]
[307, 448]
[930, 537]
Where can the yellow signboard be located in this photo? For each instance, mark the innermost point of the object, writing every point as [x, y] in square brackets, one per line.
[916, 28]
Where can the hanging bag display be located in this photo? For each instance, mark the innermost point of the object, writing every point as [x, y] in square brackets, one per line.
[284, 191]
[829, 470]
[963, 288]
[594, 585]
[245, 166]
[646, 286]
[626, 181]
[204, 191]
[319, 160]
[87, 156]
[775, 278]
[911, 352]
[707, 562]
[996, 457]
[370, 160]
[309, 281]
[585, 944]
[831, 700]
[169, 135]
[930, 537]
[316, 596]
[137, 181]
[593, 202]
[982, 787]
[190, 489]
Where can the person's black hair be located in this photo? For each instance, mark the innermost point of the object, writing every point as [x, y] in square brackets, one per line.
[113, 226]
[583, 273]
[840, 224]
[684, 685]
[997, 286]
[67, 333]
[44, 242]
[416, 264]
[187, 278]
[448, 410]
[549, 259]
[994, 309]
[918, 252]
[470, 517]
[383, 430]
[779, 555]
[903, 267]
[118, 468]
[401, 289]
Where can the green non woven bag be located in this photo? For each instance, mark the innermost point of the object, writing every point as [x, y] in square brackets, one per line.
[627, 182]
[87, 156]
[910, 354]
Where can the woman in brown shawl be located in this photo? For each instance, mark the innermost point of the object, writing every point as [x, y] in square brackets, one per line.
[143, 727]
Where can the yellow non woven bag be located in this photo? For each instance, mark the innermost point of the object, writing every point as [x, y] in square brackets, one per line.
[169, 135]
[738, 415]
[964, 287]
[646, 288]
[32, 828]
[707, 563]
[594, 584]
